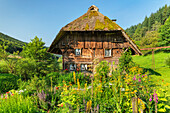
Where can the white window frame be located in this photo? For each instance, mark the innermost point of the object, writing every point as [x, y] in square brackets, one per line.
[83, 67]
[109, 54]
[77, 51]
[72, 67]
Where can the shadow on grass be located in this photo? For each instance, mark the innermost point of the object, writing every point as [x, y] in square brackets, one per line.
[152, 72]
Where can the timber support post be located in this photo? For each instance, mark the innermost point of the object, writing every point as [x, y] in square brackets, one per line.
[63, 61]
[153, 60]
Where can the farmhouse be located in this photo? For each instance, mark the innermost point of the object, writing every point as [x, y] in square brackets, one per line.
[91, 36]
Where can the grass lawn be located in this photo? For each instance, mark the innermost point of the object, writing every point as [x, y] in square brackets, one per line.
[161, 74]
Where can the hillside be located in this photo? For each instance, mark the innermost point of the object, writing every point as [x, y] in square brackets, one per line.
[147, 33]
[12, 44]
[161, 74]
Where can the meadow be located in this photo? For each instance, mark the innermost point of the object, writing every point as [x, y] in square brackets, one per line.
[161, 74]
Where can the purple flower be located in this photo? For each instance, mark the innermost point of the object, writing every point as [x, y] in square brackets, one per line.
[139, 80]
[134, 78]
[155, 97]
[150, 98]
[139, 75]
[142, 75]
[145, 75]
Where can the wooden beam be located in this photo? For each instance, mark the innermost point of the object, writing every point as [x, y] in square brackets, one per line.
[131, 42]
[155, 48]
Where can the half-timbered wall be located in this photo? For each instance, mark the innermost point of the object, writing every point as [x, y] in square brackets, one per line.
[91, 43]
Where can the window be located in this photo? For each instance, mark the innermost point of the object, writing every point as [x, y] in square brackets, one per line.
[107, 52]
[72, 67]
[78, 52]
[83, 67]
[63, 43]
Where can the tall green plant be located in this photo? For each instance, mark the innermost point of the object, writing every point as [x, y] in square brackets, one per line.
[125, 61]
[102, 69]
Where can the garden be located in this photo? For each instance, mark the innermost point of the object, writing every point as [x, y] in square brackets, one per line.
[35, 83]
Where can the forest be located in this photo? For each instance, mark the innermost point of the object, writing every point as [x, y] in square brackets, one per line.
[13, 44]
[148, 33]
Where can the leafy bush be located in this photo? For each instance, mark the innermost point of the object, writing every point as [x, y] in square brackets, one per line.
[8, 82]
[34, 84]
[102, 69]
[26, 68]
[3, 67]
[125, 61]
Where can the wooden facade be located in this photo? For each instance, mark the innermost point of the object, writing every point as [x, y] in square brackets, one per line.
[79, 47]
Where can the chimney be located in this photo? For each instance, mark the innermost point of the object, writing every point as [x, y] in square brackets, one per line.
[93, 8]
[114, 20]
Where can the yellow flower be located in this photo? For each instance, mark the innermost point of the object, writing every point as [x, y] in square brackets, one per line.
[132, 92]
[135, 91]
[127, 90]
[126, 93]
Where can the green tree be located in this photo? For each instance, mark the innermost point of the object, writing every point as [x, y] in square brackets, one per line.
[35, 50]
[145, 22]
[165, 12]
[150, 39]
[156, 26]
[164, 31]
[44, 62]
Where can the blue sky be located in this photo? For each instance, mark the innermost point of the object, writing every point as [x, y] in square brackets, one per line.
[25, 19]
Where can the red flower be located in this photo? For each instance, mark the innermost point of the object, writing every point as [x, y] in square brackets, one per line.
[7, 92]
[77, 69]
[66, 69]
[5, 97]
[61, 105]
[56, 87]
[12, 94]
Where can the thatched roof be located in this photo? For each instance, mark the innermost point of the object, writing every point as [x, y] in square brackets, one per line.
[92, 20]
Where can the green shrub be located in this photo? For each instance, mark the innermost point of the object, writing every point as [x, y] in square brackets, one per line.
[26, 68]
[34, 84]
[102, 70]
[8, 82]
[167, 61]
[126, 62]
[3, 67]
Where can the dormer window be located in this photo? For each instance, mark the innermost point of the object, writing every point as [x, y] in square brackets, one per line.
[77, 52]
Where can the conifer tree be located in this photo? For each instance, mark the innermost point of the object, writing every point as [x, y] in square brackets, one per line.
[164, 31]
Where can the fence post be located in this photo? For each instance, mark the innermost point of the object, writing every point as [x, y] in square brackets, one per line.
[135, 104]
